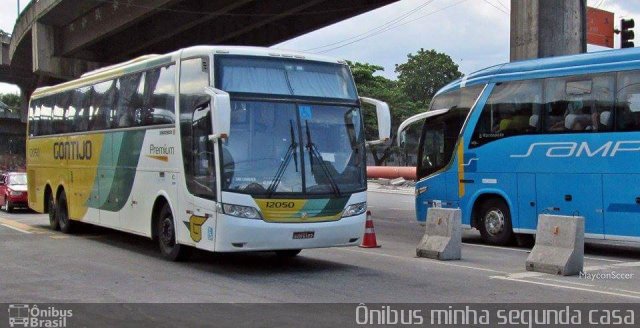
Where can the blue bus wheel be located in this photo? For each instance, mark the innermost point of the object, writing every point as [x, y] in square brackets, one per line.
[495, 222]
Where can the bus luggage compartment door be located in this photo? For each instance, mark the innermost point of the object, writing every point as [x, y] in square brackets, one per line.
[621, 205]
[572, 194]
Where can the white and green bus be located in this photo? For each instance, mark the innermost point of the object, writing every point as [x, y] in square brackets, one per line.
[219, 148]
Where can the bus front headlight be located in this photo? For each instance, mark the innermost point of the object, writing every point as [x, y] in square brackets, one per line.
[246, 212]
[355, 209]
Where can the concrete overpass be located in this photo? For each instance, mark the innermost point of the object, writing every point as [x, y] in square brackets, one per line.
[57, 40]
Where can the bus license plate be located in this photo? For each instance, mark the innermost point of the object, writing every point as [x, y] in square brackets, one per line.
[303, 235]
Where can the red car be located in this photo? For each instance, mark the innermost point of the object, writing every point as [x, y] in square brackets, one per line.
[13, 190]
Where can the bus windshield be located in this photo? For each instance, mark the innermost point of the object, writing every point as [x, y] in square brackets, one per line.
[440, 133]
[283, 77]
[291, 147]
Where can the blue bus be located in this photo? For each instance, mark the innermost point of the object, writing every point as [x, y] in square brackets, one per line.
[555, 135]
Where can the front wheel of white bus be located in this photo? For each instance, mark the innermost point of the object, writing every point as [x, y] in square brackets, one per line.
[494, 222]
[169, 249]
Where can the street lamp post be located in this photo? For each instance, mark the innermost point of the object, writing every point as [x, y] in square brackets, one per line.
[18, 7]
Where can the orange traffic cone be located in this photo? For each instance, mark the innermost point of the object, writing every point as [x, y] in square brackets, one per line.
[369, 240]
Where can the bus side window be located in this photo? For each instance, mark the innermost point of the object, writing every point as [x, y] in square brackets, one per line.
[627, 109]
[103, 102]
[34, 113]
[69, 119]
[62, 123]
[577, 103]
[158, 104]
[137, 110]
[509, 111]
[601, 104]
[126, 103]
[45, 126]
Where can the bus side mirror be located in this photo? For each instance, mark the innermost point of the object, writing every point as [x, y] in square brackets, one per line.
[220, 113]
[384, 119]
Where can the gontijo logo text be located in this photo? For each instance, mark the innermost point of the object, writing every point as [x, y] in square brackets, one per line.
[25, 315]
[73, 150]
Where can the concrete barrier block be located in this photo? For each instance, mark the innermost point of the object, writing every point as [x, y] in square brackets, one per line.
[559, 247]
[442, 239]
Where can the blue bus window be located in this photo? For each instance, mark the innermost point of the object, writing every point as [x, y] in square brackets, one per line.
[628, 101]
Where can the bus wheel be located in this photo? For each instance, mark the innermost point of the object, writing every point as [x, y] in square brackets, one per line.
[54, 224]
[62, 214]
[169, 249]
[495, 222]
[288, 253]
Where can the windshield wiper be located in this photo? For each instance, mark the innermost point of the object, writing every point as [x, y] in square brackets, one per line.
[313, 152]
[292, 151]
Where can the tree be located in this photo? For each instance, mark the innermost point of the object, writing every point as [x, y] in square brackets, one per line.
[418, 80]
[425, 73]
[11, 100]
[382, 88]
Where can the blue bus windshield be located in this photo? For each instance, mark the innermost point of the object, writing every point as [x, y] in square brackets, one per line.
[440, 133]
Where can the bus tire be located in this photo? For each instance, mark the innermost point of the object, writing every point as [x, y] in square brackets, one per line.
[166, 232]
[62, 214]
[495, 222]
[286, 253]
[54, 224]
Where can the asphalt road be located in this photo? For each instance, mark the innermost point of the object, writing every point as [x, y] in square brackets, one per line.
[102, 265]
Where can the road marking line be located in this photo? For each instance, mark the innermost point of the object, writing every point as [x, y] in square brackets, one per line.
[625, 290]
[526, 274]
[422, 260]
[22, 226]
[528, 251]
[566, 287]
[628, 264]
[16, 229]
[58, 237]
[564, 281]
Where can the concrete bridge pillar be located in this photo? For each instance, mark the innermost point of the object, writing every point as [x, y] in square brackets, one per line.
[45, 61]
[546, 28]
[25, 94]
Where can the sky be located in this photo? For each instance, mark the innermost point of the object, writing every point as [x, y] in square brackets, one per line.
[475, 33]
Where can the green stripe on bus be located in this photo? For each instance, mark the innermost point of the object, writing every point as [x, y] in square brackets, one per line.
[128, 149]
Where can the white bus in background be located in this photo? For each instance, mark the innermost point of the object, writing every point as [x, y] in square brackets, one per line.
[219, 148]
